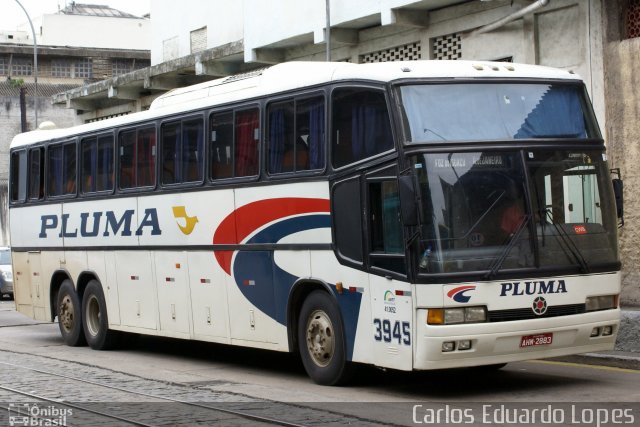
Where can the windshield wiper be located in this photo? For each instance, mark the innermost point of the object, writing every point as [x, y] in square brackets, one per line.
[571, 246]
[497, 263]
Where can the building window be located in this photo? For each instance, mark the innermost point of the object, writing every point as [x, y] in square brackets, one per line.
[199, 40]
[633, 19]
[22, 67]
[447, 47]
[121, 66]
[83, 68]
[4, 66]
[407, 52]
[60, 68]
[139, 64]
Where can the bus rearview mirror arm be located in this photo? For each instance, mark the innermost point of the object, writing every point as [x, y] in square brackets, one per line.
[618, 188]
[408, 200]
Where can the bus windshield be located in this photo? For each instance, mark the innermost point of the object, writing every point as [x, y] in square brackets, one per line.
[480, 215]
[495, 111]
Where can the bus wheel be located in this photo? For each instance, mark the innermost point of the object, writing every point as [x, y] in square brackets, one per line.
[96, 324]
[69, 315]
[321, 340]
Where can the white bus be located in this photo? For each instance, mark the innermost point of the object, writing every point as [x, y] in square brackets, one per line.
[408, 215]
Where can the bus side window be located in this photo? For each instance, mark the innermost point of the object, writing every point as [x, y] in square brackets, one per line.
[247, 137]
[310, 146]
[137, 153]
[360, 127]
[97, 164]
[221, 146]
[385, 235]
[61, 169]
[299, 149]
[127, 150]
[36, 174]
[281, 147]
[146, 157]
[182, 148]
[19, 176]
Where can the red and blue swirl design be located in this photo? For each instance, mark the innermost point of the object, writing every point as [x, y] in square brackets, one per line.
[258, 277]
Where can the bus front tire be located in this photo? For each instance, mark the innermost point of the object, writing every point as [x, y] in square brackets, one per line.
[321, 340]
[94, 318]
[69, 311]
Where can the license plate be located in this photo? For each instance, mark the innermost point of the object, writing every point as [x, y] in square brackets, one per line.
[533, 340]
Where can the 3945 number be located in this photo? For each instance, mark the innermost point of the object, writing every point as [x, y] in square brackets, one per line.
[395, 331]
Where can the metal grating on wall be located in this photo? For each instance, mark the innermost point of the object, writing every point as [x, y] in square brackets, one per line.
[407, 52]
[199, 40]
[633, 19]
[447, 47]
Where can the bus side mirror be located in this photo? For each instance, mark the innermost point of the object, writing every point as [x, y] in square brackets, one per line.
[617, 192]
[408, 200]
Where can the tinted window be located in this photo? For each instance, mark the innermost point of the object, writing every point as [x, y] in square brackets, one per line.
[36, 174]
[18, 176]
[361, 126]
[182, 151]
[296, 135]
[234, 143]
[137, 150]
[97, 164]
[61, 174]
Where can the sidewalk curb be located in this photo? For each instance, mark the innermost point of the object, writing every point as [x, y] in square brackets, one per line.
[603, 359]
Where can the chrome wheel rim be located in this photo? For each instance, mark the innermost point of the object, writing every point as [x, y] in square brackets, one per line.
[65, 314]
[93, 315]
[320, 338]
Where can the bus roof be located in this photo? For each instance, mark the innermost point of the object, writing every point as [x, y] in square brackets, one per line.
[296, 75]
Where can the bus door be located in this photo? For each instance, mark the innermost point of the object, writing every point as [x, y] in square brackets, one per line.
[390, 292]
[37, 293]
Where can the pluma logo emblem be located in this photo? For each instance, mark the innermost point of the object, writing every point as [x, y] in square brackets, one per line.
[458, 294]
[180, 213]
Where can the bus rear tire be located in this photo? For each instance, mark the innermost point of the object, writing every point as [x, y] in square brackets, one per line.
[321, 340]
[94, 318]
[69, 311]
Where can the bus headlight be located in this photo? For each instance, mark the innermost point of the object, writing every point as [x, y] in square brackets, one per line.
[604, 302]
[453, 316]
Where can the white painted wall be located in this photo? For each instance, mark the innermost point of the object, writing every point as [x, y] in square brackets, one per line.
[173, 21]
[91, 31]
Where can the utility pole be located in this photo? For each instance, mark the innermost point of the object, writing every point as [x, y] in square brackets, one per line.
[327, 32]
[35, 65]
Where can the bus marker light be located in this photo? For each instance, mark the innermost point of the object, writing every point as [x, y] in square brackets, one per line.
[339, 287]
[607, 330]
[170, 279]
[595, 332]
[249, 282]
[178, 265]
[448, 346]
[435, 316]
[403, 293]
[205, 281]
[464, 345]
[135, 277]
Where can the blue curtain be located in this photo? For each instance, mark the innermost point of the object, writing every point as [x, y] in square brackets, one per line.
[276, 140]
[93, 169]
[316, 135]
[107, 166]
[370, 132]
[55, 163]
[557, 115]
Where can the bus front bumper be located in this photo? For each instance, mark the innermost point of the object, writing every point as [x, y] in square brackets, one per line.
[494, 343]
